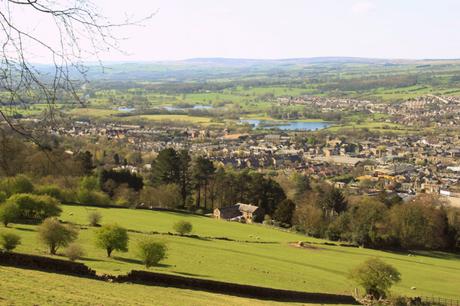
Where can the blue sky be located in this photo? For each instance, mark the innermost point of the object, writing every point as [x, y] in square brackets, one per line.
[288, 28]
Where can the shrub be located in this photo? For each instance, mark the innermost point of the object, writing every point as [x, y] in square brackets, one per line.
[112, 238]
[3, 196]
[9, 241]
[199, 211]
[9, 212]
[164, 196]
[284, 212]
[152, 252]
[376, 277]
[56, 235]
[94, 218]
[90, 197]
[267, 220]
[90, 183]
[35, 207]
[17, 184]
[74, 251]
[52, 191]
[183, 227]
[122, 202]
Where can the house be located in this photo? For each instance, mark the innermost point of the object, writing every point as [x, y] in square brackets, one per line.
[238, 212]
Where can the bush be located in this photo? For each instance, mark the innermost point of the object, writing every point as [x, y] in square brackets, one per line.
[376, 277]
[90, 197]
[9, 241]
[152, 252]
[9, 212]
[284, 212]
[164, 196]
[56, 235]
[17, 184]
[267, 220]
[183, 227]
[199, 211]
[112, 238]
[52, 191]
[3, 196]
[35, 207]
[90, 183]
[74, 251]
[94, 218]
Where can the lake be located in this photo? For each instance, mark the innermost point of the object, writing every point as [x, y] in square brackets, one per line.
[287, 125]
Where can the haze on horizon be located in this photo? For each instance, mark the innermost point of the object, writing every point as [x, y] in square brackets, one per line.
[275, 29]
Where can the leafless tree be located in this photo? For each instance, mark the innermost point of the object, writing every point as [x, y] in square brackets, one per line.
[65, 33]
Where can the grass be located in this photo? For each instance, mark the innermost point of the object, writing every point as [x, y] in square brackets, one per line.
[184, 118]
[29, 110]
[275, 263]
[93, 112]
[373, 126]
[19, 287]
[98, 113]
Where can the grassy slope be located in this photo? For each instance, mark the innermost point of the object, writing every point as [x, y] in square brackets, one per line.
[19, 287]
[278, 264]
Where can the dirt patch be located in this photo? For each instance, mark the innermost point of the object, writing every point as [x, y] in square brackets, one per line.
[304, 245]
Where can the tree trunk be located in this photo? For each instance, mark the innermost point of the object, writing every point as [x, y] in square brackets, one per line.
[205, 195]
[198, 198]
[52, 249]
[109, 252]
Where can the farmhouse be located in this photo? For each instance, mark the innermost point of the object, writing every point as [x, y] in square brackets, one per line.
[238, 212]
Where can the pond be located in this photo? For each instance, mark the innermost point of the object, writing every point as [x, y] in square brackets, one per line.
[287, 125]
[174, 108]
[126, 109]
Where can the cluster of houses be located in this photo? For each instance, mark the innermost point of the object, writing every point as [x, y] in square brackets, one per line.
[404, 163]
[444, 111]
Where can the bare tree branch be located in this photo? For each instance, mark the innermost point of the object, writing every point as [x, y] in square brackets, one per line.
[80, 33]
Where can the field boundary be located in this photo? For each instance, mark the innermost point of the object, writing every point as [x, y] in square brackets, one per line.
[60, 266]
[264, 293]
[45, 264]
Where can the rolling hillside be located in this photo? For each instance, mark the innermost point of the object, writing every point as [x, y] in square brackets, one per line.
[250, 254]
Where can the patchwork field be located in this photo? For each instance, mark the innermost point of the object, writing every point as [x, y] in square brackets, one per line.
[255, 254]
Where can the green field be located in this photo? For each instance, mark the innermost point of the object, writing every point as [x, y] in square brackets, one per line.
[93, 112]
[275, 263]
[19, 287]
[176, 118]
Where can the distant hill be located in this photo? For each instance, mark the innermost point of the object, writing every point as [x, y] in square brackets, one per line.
[200, 69]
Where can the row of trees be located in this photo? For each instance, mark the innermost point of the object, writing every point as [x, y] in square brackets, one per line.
[202, 185]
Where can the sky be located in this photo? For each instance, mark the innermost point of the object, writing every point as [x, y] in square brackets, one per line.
[180, 29]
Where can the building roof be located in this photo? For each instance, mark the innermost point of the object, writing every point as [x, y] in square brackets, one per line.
[235, 211]
[338, 159]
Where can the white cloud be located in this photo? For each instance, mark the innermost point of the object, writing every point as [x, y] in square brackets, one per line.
[362, 7]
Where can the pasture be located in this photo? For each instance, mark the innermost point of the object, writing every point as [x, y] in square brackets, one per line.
[176, 118]
[253, 254]
[19, 287]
